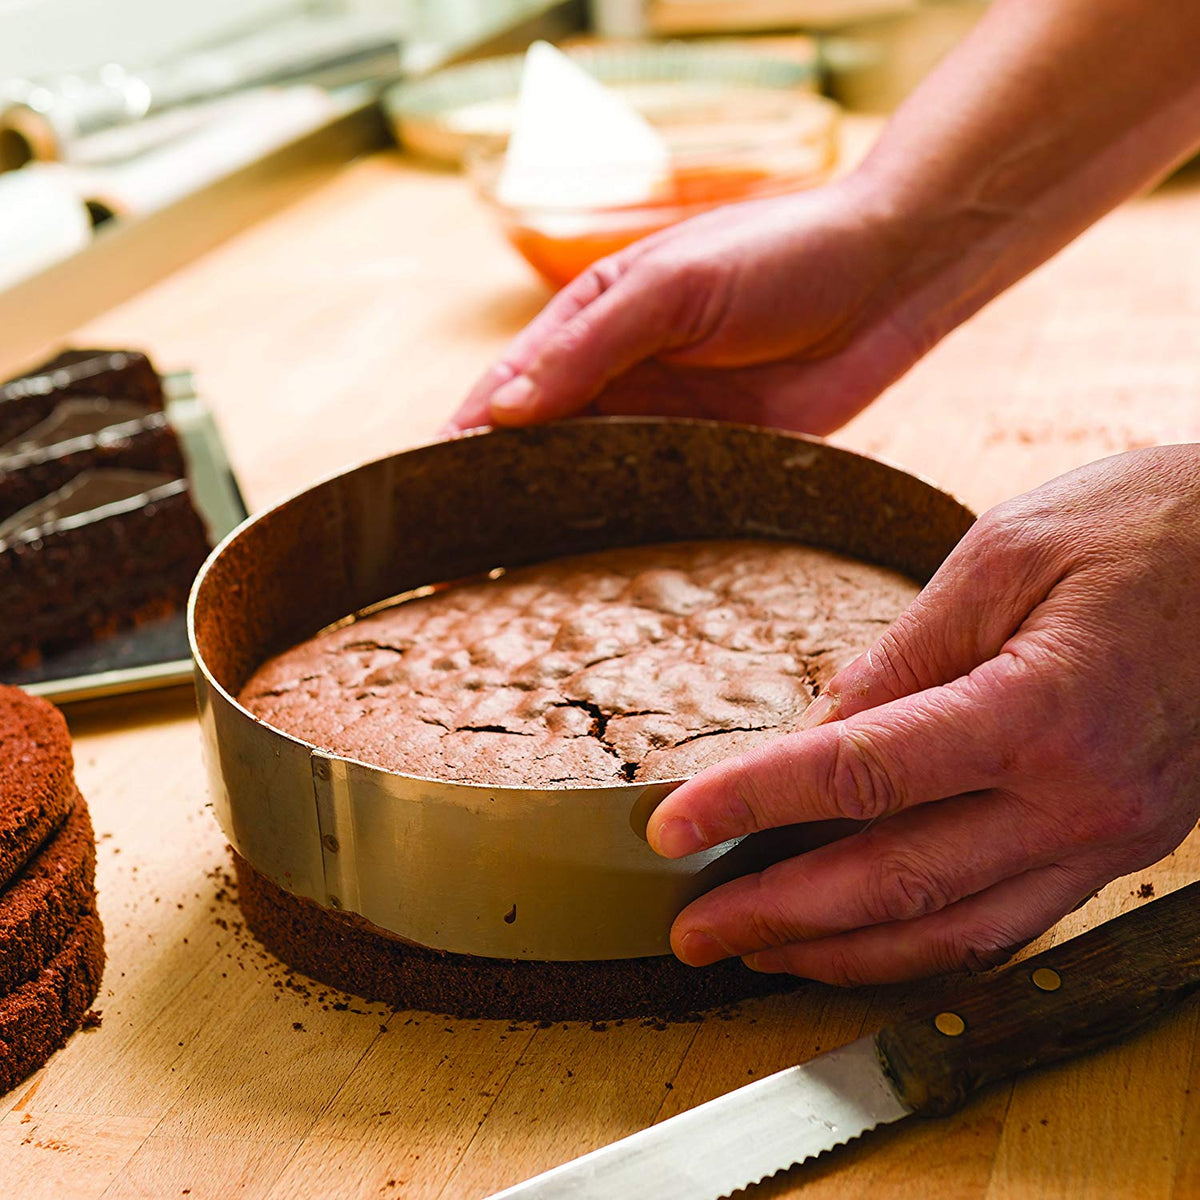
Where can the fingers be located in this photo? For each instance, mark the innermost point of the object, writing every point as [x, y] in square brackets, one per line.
[595, 329]
[899, 870]
[946, 741]
[978, 599]
[975, 934]
[476, 410]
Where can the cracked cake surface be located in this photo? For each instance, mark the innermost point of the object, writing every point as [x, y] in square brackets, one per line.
[647, 663]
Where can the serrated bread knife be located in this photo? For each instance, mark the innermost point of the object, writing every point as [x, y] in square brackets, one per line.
[1078, 996]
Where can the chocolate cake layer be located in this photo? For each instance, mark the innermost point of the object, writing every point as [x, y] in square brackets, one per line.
[37, 1018]
[346, 952]
[51, 940]
[32, 467]
[43, 904]
[104, 552]
[31, 397]
[37, 788]
[635, 664]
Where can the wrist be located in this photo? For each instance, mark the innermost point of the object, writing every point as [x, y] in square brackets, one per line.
[946, 254]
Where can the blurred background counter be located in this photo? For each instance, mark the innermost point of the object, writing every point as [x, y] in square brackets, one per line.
[135, 136]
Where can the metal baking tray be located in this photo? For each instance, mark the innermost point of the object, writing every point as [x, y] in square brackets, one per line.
[156, 653]
[446, 865]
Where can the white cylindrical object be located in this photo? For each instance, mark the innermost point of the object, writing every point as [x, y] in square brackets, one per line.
[42, 219]
[248, 127]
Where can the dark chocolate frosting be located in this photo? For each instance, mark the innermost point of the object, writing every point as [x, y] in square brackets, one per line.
[74, 418]
[90, 493]
[31, 397]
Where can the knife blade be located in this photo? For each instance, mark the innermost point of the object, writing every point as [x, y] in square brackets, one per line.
[737, 1139]
[1078, 996]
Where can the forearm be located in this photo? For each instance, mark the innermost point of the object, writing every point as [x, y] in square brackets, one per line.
[1048, 115]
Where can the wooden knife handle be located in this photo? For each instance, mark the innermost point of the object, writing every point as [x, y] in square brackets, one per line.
[1083, 994]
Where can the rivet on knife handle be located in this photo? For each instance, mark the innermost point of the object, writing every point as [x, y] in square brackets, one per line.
[1078, 996]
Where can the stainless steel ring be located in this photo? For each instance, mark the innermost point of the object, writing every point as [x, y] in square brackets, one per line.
[529, 873]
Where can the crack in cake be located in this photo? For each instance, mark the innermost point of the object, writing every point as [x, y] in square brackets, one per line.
[51, 939]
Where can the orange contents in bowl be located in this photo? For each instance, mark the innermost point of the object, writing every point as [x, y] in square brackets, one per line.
[560, 256]
[711, 184]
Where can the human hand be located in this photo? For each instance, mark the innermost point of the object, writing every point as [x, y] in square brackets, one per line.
[1027, 731]
[783, 311]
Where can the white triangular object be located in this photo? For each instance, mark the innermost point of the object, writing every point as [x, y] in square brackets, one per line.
[575, 143]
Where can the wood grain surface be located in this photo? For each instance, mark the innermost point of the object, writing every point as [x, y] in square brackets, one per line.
[349, 325]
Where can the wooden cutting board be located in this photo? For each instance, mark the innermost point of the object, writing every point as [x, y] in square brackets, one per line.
[347, 326]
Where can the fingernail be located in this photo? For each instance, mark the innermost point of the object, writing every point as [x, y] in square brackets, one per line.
[819, 711]
[678, 838]
[698, 949]
[767, 962]
[514, 399]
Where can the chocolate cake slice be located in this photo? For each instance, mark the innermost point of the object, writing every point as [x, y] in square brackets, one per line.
[32, 397]
[105, 551]
[51, 939]
[85, 433]
[97, 531]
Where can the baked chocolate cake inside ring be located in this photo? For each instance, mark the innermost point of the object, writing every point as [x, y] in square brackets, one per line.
[517, 875]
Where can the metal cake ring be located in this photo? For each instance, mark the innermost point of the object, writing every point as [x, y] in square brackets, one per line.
[503, 872]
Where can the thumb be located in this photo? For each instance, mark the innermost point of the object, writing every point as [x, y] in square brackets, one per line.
[981, 595]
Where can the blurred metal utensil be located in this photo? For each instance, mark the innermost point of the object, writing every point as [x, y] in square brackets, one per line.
[40, 119]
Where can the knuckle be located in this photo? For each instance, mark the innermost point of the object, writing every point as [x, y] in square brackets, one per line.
[891, 662]
[696, 291]
[569, 342]
[845, 968]
[754, 792]
[1018, 548]
[1121, 816]
[1008, 531]
[975, 949]
[859, 782]
[595, 280]
[1024, 738]
[676, 268]
[898, 889]
[768, 924]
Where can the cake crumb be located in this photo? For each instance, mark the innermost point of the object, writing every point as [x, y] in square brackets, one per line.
[511, 915]
[92, 1019]
[1146, 891]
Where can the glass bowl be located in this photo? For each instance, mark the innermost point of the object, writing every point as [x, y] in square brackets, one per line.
[770, 145]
